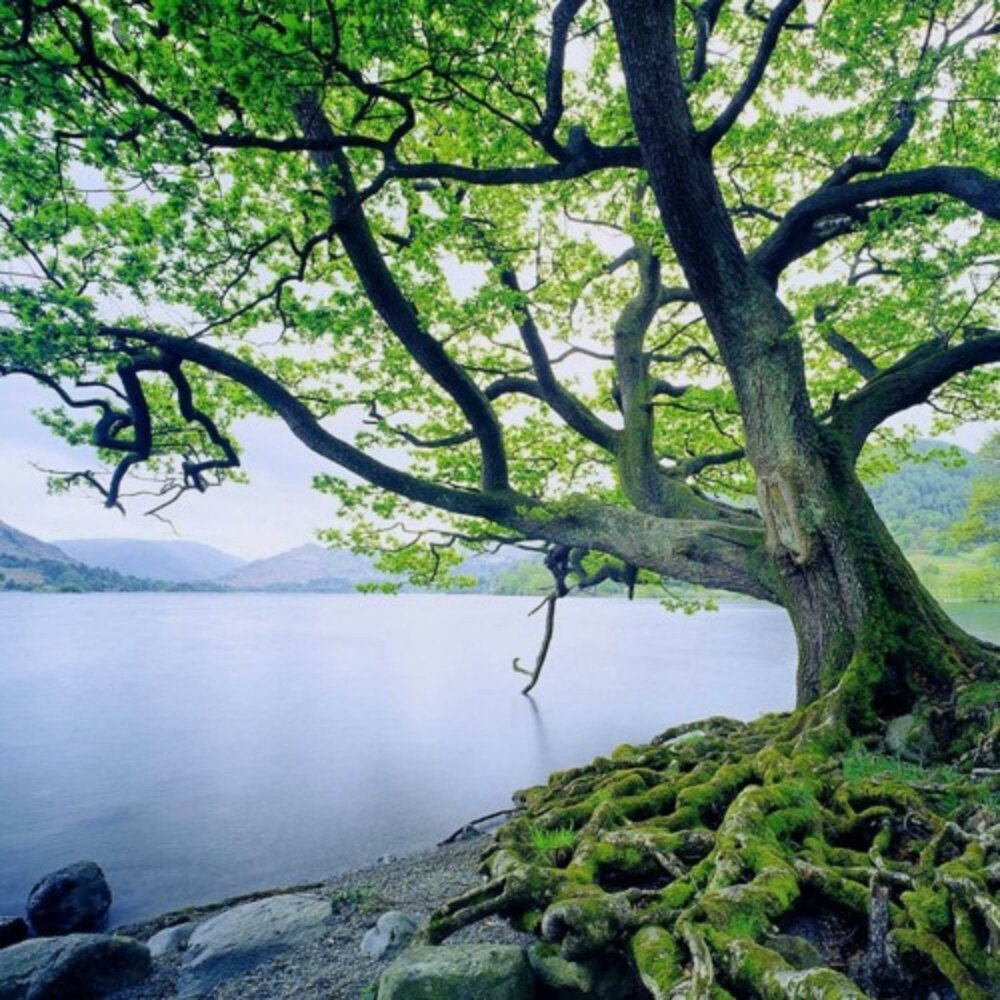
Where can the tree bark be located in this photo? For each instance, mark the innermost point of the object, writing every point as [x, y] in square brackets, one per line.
[854, 601]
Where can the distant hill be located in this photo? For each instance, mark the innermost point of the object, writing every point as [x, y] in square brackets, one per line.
[174, 561]
[922, 500]
[26, 563]
[16, 544]
[308, 567]
[315, 568]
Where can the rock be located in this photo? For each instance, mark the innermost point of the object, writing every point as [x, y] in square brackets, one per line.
[170, 940]
[75, 898]
[459, 972]
[13, 930]
[798, 952]
[910, 737]
[80, 966]
[247, 935]
[390, 935]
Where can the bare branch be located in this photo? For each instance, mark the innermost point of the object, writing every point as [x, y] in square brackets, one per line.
[769, 40]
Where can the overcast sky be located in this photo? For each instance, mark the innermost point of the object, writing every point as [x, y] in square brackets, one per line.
[277, 511]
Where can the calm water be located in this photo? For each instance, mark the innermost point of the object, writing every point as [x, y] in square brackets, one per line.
[201, 745]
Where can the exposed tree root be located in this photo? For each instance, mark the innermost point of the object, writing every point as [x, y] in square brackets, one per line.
[704, 858]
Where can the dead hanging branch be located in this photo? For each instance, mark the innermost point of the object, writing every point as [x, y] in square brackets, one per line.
[558, 561]
[562, 561]
[550, 619]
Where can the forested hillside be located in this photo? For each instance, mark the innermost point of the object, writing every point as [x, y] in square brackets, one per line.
[922, 500]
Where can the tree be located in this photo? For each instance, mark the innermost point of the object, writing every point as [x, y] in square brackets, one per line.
[981, 524]
[586, 274]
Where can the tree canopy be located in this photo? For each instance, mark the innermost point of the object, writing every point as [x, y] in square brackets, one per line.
[424, 235]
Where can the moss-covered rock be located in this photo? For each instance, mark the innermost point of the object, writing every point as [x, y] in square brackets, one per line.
[459, 972]
[910, 737]
[559, 979]
[798, 952]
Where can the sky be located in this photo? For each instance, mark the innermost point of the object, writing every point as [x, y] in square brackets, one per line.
[278, 510]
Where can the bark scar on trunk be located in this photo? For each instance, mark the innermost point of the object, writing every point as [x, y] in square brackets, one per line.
[778, 505]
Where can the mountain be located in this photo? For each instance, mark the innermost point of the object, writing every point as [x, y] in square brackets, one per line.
[176, 562]
[26, 563]
[16, 544]
[308, 567]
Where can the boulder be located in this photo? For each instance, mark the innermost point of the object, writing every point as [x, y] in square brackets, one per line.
[390, 935]
[248, 935]
[170, 940]
[691, 736]
[75, 898]
[459, 972]
[81, 966]
[13, 930]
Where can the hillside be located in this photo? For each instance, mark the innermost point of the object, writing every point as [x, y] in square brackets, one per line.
[308, 567]
[173, 561]
[922, 500]
[16, 544]
[27, 563]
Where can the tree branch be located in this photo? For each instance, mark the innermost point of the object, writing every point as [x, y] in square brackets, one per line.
[796, 235]
[393, 306]
[768, 41]
[562, 19]
[576, 415]
[908, 382]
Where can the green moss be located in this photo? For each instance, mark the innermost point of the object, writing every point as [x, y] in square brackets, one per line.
[925, 945]
[724, 838]
[657, 959]
[971, 950]
[760, 972]
[928, 909]
[980, 694]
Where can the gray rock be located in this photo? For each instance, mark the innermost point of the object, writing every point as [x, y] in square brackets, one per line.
[910, 737]
[459, 972]
[170, 940]
[390, 935]
[13, 930]
[798, 952]
[247, 935]
[75, 898]
[80, 966]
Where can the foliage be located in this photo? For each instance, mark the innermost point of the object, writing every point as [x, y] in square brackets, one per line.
[923, 497]
[158, 189]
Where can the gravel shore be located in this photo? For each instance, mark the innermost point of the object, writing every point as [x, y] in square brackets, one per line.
[335, 966]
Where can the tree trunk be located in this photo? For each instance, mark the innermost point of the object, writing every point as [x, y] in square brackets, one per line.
[865, 625]
[854, 600]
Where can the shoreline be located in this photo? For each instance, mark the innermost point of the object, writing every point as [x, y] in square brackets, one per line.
[334, 966]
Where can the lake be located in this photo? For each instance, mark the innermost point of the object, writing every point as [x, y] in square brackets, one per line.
[202, 745]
